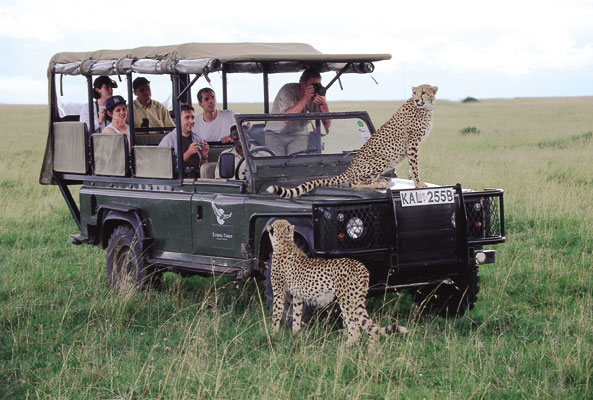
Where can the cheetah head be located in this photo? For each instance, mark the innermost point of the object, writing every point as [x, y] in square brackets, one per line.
[281, 233]
[423, 96]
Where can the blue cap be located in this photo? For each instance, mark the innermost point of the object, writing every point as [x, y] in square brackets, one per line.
[114, 101]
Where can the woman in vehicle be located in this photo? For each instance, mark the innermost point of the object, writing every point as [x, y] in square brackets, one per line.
[102, 90]
[117, 110]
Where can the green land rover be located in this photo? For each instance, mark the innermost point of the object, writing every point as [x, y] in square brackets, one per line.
[150, 219]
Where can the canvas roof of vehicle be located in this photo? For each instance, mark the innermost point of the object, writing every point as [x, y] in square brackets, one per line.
[204, 57]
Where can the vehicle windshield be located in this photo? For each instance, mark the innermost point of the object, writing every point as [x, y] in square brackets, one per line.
[302, 135]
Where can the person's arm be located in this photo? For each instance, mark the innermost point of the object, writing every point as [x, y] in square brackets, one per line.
[166, 117]
[301, 103]
[84, 117]
[323, 107]
[108, 130]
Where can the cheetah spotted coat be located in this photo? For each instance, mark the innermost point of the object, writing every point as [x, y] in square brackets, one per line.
[319, 282]
[397, 139]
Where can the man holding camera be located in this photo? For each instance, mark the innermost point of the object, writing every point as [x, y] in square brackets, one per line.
[307, 96]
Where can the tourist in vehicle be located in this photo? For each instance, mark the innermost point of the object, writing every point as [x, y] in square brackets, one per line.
[194, 148]
[148, 112]
[102, 90]
[291, 137]
[116, 113]
[213, 125]
[236, 150]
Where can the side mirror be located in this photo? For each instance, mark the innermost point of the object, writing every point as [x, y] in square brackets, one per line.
[226, 166]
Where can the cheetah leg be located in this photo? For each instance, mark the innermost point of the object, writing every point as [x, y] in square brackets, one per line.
[413, 161]
[367, 323]
[279, 299]
[297, 313]
[377, 183]
[351, 322]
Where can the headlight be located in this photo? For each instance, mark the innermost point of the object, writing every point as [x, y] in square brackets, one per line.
[355, 228]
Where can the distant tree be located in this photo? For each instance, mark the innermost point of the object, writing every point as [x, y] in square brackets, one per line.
[470, 130]
[469, 99]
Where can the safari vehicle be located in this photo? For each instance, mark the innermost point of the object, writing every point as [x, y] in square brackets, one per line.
[134, 204]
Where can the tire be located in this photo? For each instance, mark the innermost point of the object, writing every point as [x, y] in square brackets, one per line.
[126, 265]
[454, 298]
[308, 309]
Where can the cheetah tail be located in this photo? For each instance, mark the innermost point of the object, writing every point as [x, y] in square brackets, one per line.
[306, 187]
[393, 328]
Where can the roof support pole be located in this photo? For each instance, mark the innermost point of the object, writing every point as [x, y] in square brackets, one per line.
[131, 108]
[225, 104]
[177, 111]
[91, 98]
[266, 91]
[185, 89]
[131, 122]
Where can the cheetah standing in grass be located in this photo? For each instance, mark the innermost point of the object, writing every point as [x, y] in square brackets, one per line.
[319, 282]
[397, 139]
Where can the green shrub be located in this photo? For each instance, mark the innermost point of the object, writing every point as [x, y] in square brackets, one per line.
[469, 99]
[470, 130]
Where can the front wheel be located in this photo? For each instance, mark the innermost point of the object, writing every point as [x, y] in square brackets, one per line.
[126, 264]
[453, 297]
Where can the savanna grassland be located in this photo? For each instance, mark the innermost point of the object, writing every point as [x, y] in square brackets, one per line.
[64, 334]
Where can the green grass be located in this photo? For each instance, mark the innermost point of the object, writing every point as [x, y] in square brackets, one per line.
[63, 334]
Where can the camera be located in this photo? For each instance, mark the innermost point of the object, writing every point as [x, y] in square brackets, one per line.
[145, 123]
[319, 89]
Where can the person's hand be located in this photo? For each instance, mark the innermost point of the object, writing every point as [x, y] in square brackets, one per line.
[318, 99]
[101, 116]
[204, 149]
[309, 92]
[226, 139]
[191, 150]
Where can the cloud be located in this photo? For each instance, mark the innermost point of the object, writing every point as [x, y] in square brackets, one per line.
[23, 90]
[517, 54]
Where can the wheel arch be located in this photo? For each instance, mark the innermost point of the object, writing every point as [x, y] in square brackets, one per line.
[303, 227]
[113, 216]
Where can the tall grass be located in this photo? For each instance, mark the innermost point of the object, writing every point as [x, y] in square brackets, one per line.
[64, 334]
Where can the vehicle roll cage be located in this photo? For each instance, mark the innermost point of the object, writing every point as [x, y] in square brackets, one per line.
[181, 62]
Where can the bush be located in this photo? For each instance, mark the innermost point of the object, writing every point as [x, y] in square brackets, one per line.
[469, 99]
[470, 130]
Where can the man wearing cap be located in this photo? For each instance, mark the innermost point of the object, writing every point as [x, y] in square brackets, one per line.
[102, 90]
[148, 112]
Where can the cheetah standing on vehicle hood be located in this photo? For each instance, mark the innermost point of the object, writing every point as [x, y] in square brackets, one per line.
[319, 282]
[397, 139]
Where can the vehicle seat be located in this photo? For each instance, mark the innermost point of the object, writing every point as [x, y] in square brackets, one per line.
[110, 154]
[70, 147]
[207, 170]
[153, 162]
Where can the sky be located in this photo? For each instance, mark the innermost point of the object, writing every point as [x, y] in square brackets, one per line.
[483, 49]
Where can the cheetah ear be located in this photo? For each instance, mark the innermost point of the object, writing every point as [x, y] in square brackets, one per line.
[270, 229]
[434, 89]
[291, 230]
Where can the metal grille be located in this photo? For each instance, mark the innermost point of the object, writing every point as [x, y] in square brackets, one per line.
[426, 233]
[484, 217]
[353, 227]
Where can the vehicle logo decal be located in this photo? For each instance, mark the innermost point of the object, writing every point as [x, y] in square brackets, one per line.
[220, 215]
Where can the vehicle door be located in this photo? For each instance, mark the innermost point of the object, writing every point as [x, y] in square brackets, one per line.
[219, 225]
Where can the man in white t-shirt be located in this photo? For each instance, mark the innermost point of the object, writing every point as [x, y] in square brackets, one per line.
[213, 125]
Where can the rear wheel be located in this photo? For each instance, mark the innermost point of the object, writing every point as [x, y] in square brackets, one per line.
[451, 298]
[126, 264]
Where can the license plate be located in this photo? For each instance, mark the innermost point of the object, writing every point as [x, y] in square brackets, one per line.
[427, 197]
